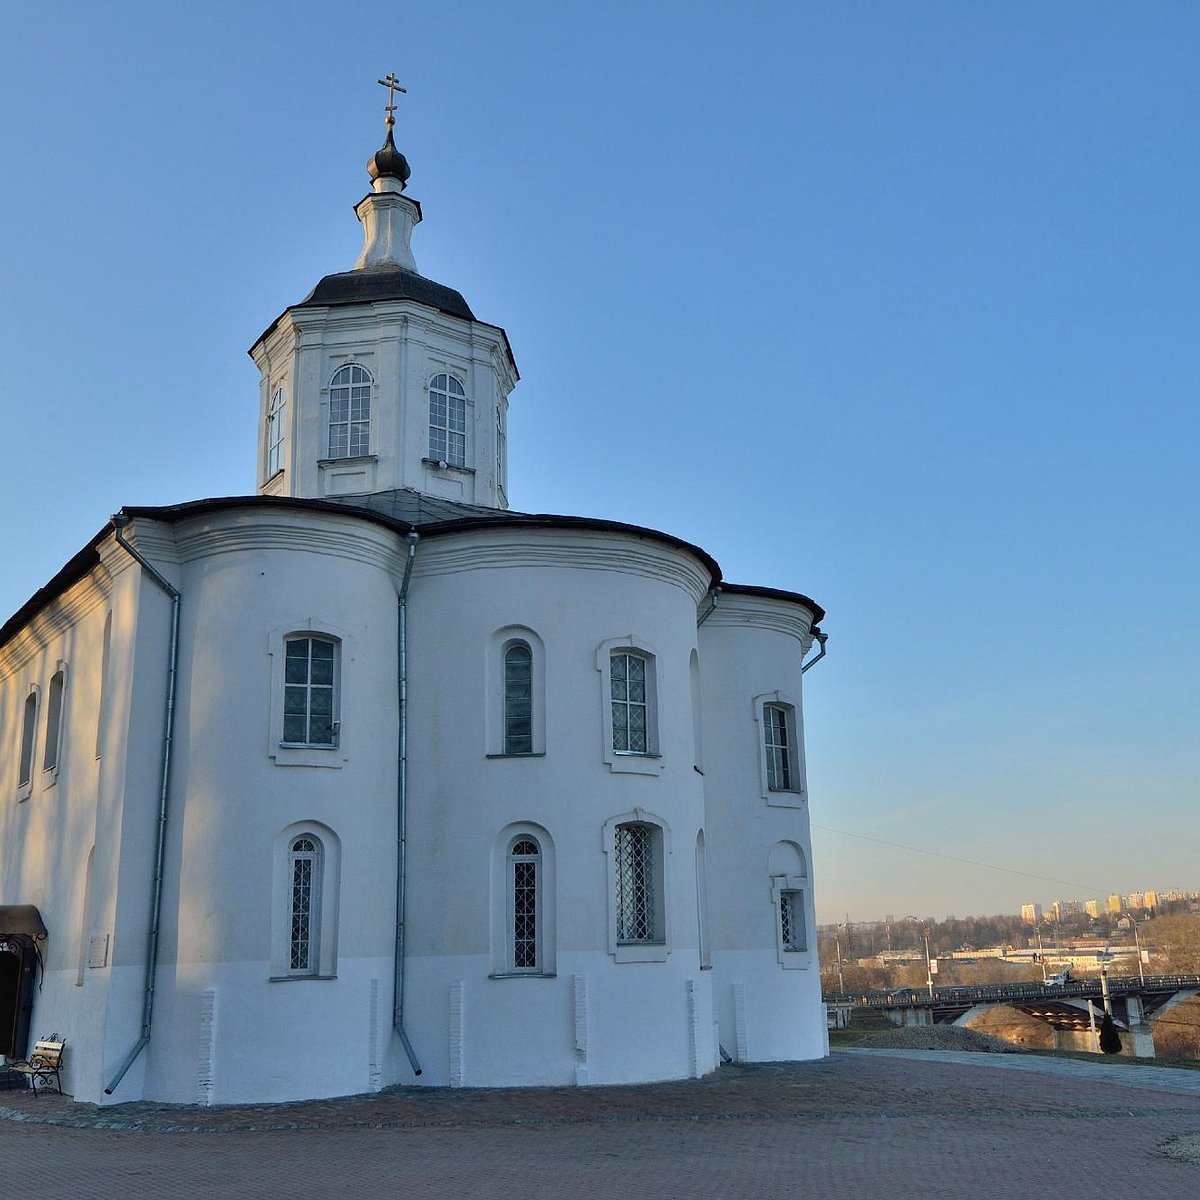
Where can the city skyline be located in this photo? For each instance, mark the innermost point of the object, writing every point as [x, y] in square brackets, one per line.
[895, 309]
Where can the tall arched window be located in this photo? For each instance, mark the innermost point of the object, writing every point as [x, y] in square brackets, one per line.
[275, 433]
[28, 733]
[350, 412]
[518, 699]
[447, 421]
[304, 862]
[524, 898]
[638, 904]
[54, 708]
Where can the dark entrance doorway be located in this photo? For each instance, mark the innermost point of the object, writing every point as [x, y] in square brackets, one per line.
[18, 962]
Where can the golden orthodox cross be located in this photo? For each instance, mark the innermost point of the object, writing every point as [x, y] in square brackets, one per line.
[393, 86]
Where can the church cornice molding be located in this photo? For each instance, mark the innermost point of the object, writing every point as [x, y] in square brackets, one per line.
[503, 548]
[740, 611]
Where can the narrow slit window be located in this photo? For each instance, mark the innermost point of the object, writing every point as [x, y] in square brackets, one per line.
[524, 862]
[28, 732]
[305, 861]
[518, 699]
[791, 922]
[54, 703]
[778, 747]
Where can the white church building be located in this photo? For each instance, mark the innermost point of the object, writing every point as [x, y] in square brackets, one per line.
[367, 779]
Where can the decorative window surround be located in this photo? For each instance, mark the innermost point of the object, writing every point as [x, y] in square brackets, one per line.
[288, 754]
[501, 701]
[523, 887]
[642, 762]
[306, 886]
[637, 845]
[775, 712]
[789, 897]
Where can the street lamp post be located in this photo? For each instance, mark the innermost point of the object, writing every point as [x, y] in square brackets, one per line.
[838, 938]
[1137, 941]
[928, 962]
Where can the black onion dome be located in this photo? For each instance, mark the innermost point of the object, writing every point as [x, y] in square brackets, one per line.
[388, 161]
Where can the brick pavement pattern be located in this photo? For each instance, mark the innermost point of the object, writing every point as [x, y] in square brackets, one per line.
[857, 1125]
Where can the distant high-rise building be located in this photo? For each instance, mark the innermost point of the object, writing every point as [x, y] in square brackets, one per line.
[1091, 907]
[1137, 900]
[1150, 899]
[1031, 914]
[1115, 904]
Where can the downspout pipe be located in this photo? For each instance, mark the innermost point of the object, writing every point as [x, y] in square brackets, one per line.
[713, 592]
[402, 801]
[822, 638]
[119, 522]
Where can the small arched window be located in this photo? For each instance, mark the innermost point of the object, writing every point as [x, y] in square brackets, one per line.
[518, 699]
[447, 421]
[350, 412]
[304, 861]
[275, 434]
[524, 898]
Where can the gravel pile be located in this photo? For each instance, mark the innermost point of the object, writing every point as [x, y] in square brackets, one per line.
[936, 1037]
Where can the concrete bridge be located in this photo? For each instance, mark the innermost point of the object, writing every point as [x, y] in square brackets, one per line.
[1072, 1009]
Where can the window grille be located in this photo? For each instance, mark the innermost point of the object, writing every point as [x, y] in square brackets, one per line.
[791, 921]
[779, 765]
[53, 721]
[275, 434]
[28, 731]
[305, 859]
[518, 699]
[635, 883]
[309, 666]
[627, 675]
[350, 412]
[447, 421]
[525, 858]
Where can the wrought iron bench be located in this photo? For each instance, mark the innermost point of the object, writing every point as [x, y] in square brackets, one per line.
[43, 1064]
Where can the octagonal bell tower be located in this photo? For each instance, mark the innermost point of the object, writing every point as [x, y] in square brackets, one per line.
[382, 379]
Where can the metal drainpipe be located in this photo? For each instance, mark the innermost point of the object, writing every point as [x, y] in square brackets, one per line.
[714, 592]
[402, 803]
[822, 638]
[119, 522]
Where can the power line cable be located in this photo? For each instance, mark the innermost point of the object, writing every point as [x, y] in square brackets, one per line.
[1087, 887]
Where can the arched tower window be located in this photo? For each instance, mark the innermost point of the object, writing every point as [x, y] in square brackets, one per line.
[524, 896]
[447, 420]
[28, 734]
[304, 862]
[275, 434]
[54, 709]
[350, 412]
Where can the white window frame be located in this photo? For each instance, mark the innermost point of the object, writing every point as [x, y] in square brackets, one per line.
[352, 425]
[323, 913]
[501, 452]
[648, 762]
[290, 754]
[275, 433]
[794, 795]
[453, 403]
[305, 849]
[27, 745]
[795, 888]
[56, 713]
[514, 860]
[501, 641]
[656, 948]
[503, 914]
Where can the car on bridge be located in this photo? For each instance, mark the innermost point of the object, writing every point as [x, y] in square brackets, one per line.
[1059, 979]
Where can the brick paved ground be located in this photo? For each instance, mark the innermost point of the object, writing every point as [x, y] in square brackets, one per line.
[856, 1125]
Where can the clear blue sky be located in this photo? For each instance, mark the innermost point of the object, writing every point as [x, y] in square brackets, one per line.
[892, 304]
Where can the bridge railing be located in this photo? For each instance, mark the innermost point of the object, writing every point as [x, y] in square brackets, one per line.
[1118, 985]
